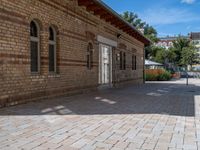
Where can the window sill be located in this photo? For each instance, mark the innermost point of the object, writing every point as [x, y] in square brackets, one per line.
[35, 74]
[53, 75]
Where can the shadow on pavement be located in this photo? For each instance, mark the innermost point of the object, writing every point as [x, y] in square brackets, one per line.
[151, 98]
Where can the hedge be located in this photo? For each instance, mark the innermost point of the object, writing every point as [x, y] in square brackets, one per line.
[158, 76]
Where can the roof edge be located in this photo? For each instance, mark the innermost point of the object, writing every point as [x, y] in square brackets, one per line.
[107, 13]
[118, 16]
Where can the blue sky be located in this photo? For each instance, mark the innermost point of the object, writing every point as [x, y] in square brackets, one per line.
[169, 17]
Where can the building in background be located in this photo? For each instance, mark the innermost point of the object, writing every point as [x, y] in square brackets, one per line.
[167, 42]
[195, 38]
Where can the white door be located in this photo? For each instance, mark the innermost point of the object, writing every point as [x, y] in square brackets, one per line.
[105, 66]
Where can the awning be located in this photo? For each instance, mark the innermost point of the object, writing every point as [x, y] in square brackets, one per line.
[152, 63]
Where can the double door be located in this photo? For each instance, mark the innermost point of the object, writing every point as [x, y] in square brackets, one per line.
[105, 66]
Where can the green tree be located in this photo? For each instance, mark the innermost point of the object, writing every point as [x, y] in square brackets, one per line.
[133, 19]
[171, 55]
[150, 33]
[160, 56]
[189, 55]
[156, 53]
[178, 46]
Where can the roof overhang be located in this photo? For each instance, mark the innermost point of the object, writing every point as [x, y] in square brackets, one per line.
[109, 15]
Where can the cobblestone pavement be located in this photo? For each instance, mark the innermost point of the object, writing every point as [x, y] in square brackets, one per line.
[154, 116]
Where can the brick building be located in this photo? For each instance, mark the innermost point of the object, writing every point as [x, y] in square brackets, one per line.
[59, 47]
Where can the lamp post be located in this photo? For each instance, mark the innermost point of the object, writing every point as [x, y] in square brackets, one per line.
[187, 76]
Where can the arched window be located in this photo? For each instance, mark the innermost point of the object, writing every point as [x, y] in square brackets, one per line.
[52, 50]
[34, 46]
[90, 56]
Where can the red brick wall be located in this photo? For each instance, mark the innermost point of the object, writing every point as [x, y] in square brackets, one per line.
[18, 84]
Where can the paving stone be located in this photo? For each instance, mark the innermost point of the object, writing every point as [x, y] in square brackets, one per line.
[122, 145]
[102, 145]
[137, 120]
[80, 143]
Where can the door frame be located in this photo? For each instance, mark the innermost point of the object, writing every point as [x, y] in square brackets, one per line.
[101, 45]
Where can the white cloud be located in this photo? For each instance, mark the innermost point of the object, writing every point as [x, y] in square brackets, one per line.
[164, 16]
[188, 1]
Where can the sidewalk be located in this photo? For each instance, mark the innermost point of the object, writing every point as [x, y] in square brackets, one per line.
[154, 116]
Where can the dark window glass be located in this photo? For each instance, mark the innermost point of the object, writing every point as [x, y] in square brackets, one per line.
[34, 56]
[88, 61]
[121, 60]
[90, 56]
[134, 62]
[52, 50]
[51, 34]
[33, 29]
[124, 67]
[51, 58]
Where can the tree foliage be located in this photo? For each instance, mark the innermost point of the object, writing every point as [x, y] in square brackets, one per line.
[135, 21]
[178, 45]
[156, 53]
[150, 33]
[162, 55]
[183, 51]
[171, 55]
[189, 55]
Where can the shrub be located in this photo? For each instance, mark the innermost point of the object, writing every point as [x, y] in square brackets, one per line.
[151, 77]
[161, 76]
[164, 76]
[171, 71]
